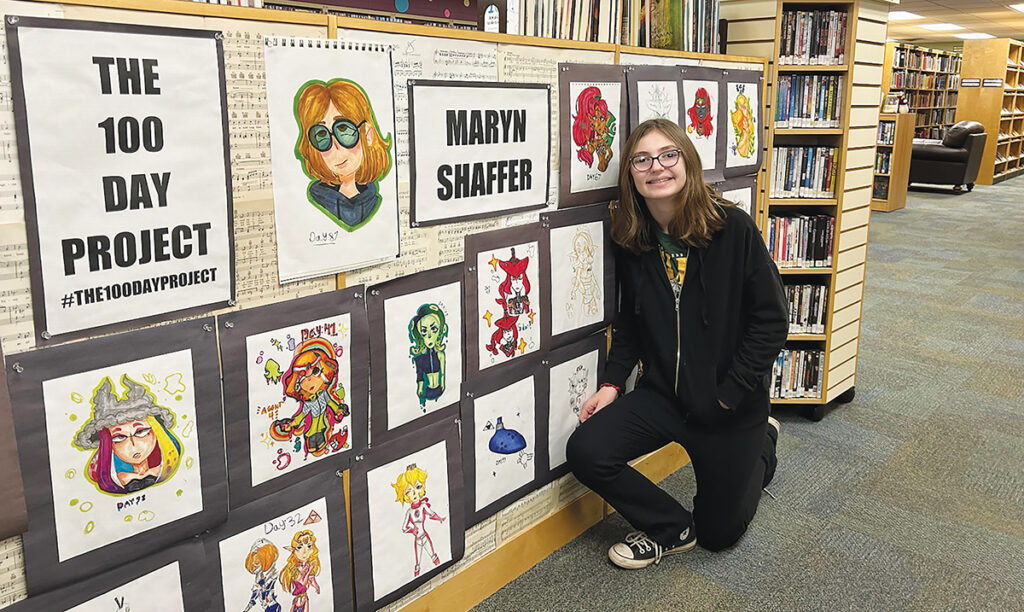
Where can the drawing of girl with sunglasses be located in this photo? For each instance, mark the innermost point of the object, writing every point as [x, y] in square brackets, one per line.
[312, 379]
[342, 150]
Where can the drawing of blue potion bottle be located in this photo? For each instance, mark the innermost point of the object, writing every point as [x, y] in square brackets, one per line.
[506, 441]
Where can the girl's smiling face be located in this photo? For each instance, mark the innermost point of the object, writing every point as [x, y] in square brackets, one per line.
[658, 182]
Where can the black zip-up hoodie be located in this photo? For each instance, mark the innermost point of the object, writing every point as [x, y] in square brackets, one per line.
[731, 323]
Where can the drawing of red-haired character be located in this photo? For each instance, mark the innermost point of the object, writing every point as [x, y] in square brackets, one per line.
[515, 289]
[411, 487]
[505, 337]
[700, 114]
[312, 379]
[593, 128]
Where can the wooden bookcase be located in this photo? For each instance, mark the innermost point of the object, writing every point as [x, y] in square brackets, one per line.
[997, 101]
[755, 28]
[930, 79]
[892, 161]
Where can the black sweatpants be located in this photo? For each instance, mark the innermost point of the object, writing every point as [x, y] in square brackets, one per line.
[730, 466]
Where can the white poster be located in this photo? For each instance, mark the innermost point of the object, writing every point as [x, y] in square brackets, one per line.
[570, 383]
[594, 134]
[504, 441]
[423, 335]
[508, 303]
[284, 561]
[577, 276]
[124, 450]
[743, 142]
[128, 173]
[138, 594]
[332, 149]
[702, 119]
[479, 150]
[409, 511]
[657, 100]
[299, 412]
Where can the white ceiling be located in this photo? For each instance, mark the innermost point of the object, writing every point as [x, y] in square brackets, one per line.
[987, 16]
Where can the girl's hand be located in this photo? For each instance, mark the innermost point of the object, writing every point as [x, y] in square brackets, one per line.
[597, 401]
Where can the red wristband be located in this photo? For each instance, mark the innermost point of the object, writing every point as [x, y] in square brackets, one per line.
[608, 384]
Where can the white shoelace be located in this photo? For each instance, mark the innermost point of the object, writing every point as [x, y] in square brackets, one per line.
[644, 543]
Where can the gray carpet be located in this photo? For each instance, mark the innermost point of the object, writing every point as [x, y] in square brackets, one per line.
[909, 498]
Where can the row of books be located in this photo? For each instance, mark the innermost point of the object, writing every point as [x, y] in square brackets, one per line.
[808, 100]
[935, 132]
[931, 99]
[801, 241]
[582, 20]
[807, 308]
[920, 59]
[883, 161]
[804, 172]
[886, 132]
[815, 37]
[938, 116]
[919, 80]
[684, 25]
[798, 373]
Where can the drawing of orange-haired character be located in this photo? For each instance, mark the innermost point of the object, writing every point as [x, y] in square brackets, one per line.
[743, 126]
[342, 150]
[260, 563]
[411, 487]
[593, 128]
[312, 379]
[300, 571]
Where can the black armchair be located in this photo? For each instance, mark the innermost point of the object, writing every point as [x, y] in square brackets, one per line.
[954, 160]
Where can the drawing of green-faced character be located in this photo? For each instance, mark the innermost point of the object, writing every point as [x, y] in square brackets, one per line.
[428, 332]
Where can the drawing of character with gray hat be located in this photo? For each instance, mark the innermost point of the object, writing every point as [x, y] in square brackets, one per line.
[134, 444]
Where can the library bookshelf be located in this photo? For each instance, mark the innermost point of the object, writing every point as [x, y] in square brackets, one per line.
[930, 81]
[892, 161]
[995, 98]
[756, 28]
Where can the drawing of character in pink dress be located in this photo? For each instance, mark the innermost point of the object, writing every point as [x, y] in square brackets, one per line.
[411, 487]
[300, 572]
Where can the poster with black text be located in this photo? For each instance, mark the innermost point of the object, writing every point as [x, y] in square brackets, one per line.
[478, 149]
[122, 138]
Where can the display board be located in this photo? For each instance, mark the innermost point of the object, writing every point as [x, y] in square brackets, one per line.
[417, 345]
[407, 513]
[478, 149]
[332, 126]
[580, 272]
[592, 111]
[138, 227]
[124, 438]
[296, 387]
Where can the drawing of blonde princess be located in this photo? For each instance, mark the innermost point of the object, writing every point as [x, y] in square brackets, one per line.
[300, 572]
[584, 282]
[411, 487]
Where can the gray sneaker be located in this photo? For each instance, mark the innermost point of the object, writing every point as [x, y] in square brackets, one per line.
[638, 551]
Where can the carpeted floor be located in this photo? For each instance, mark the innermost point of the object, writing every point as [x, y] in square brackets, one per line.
[909, 498]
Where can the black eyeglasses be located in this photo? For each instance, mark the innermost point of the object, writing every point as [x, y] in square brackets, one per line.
[667, 159]
[344, 131]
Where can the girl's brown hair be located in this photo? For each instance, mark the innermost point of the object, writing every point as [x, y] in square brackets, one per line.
[697, 216]
[313, 100]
